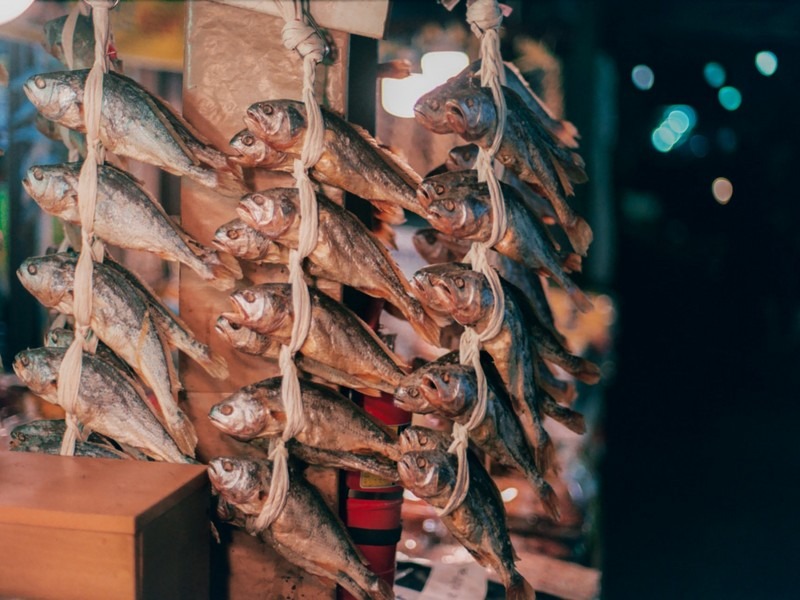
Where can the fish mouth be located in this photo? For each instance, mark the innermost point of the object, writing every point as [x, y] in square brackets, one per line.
[405, 468]
[243, 160]
[428, 388]
[224, 326]
[424, 195]
[239, 314]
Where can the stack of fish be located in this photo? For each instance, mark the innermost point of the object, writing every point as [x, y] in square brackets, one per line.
[127, 387]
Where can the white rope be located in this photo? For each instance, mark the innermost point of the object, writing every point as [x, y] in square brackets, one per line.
[69, 374]
[484, 17]
[297, 35]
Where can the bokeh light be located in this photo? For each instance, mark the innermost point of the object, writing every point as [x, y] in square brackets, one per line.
[722, 189]
[714, 74]
[643, 77]
[766, 63]
[677, 122]
[730, 97]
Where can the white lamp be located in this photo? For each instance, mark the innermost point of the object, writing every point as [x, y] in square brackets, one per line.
[11, 9]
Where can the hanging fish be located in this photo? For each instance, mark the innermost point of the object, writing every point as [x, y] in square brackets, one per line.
[82, 43]
[461, 207]
[464, 158]
[337, 337]
[374, 464]
[46, 429]
[407, 395]
[352, 159]
[332, 422]
[246, 340]
[123, 321]
[136, 124]
[346, 251]
[254, 152]
[62, 338]
[479, 524]
[109, 402]
[126, 216]
[306, 532]
[247, 243]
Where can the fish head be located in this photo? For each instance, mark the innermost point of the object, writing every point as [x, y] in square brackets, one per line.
[455, 289]
[272, 212]
[36, 369]
[242, 241]
[471, 112]
[243, 338]
[455, 206]
[426, 473]
[265, 308]
[407, 396]
[279, 123]
[54, 187]
[462, 158]
[238, 480]
[429, 110]
[415, 438]
[430, 245]
[449, 387]
[243, 416]
[59, 338]
[58, 96]
[251, 150]
[49, 278]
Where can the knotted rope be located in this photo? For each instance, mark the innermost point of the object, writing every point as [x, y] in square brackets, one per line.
[485, 18]
[69, 374]
[297, 35]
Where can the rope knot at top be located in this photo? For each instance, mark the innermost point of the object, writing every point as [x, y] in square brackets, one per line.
[300, 36]
[107, 4]
[485, 15]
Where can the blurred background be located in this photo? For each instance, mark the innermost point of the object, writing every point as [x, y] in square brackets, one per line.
[686, 114]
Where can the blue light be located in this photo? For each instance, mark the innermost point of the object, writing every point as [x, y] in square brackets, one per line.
[714, 74]
[766, 63]
[730, 98]
[662, 139]
[643, 77]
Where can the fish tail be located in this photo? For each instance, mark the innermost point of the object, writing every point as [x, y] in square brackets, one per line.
[519, 589]
[549, 499]
[572, 263]
[545, 456]
[568, 134]
[182, 431]
[580, 235]
[571, 419]
[424, 324]
[215, 365]
[587, 371]
[388, 212]
[222, 276]
[580, 300]
[385, 233]
[381, 590]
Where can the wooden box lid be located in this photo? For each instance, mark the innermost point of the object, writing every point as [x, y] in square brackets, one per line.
[96, 494]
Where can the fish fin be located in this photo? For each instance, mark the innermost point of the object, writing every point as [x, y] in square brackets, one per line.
[571, 163]
[571, 419]
[580, 300]
[229, 183]
[587, 371]
[381, 590]
[563, 176]
[423, 323]
[166, 122]
[385, 233]
[572, 263]
[520, 589]
[402, 167]
[568, 134]
[184, 434]
[545, 454]
[388, 212]
[580, 235]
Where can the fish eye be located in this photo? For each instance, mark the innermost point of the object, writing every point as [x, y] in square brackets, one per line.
[248, 140]
[249, 296]
[233, 234]
[39, 82]
[446, 377]
[227, 466]
[449, 205]
[268, 109]
[226, 410]
[259, 199]
[470, 102]
[413, 392]
[234, 326]
[22, 437]
[421, 462]
[434, 104]
[38, 174]
[32, 270]
[439, 189]
[422, 439]
[459, 281]
[24, 360]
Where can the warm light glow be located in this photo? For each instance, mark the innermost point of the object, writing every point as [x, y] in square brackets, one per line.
[398, 96]
[509, 494]
[766, 62]
[730, 98]
[11, 9]
[714, 74]
[441, 66]
[411, 544]
[722, 189]
[643, 77]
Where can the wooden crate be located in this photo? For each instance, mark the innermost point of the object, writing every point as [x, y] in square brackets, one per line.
[87, 528]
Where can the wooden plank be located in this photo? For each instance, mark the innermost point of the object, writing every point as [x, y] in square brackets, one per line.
[362, 17]
[99, 494]
[64, 564]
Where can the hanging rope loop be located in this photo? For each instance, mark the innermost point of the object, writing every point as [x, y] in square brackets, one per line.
[484, 16]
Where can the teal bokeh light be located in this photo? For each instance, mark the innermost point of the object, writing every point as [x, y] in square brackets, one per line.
[766, 63]
[714, 74]
[730, 98]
